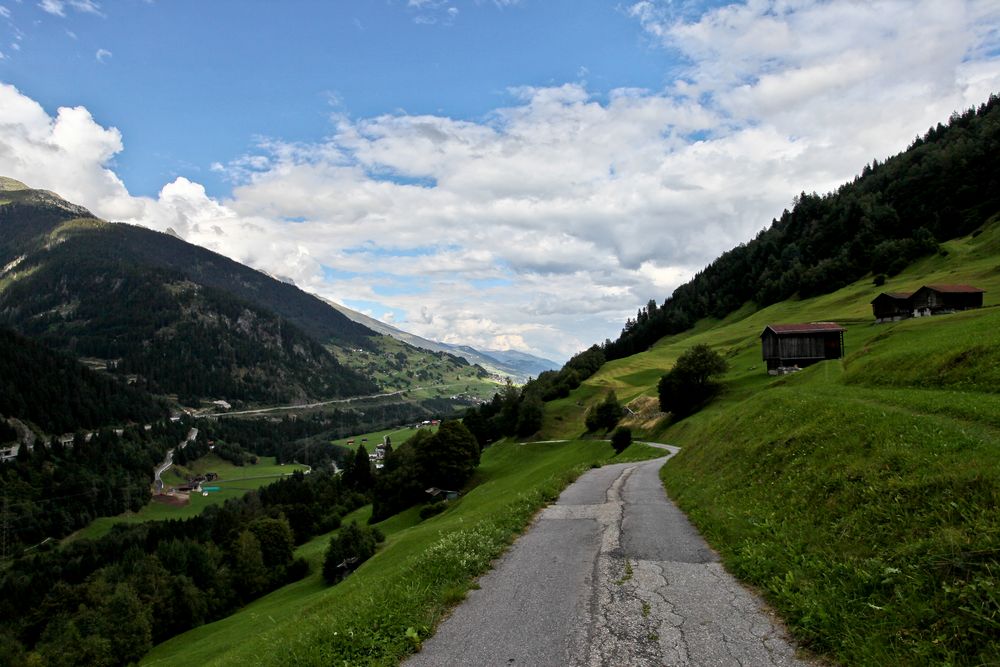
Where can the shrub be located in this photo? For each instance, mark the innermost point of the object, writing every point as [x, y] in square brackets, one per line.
[348, 549]
[427, 511]
[691, 383]
[621, 439]
[604, 415]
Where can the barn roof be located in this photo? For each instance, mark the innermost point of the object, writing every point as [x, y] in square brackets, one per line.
[955, 289]
[893, 295]
[813, 327]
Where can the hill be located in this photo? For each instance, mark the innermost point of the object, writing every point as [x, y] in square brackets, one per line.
[859, 495]
[944, 186]
[182, 319]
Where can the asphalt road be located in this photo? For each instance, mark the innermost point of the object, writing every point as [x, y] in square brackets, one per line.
[611, 574]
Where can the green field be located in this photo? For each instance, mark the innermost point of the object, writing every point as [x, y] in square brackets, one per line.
[233, 482]
[397, 435]
[381, 612]
[859, 496]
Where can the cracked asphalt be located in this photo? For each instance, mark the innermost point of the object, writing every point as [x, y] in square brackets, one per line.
[611, 574]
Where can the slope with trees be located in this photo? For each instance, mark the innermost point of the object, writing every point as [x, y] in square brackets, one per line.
[893, 213]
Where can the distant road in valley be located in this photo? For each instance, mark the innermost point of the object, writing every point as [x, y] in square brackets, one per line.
[611, 574]
[305, 406]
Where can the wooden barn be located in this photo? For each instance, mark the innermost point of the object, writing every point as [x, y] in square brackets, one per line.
[892, 306]
[933, 299]
[789, 345]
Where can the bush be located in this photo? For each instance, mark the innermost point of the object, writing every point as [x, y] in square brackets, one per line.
[691, 383]
[348, 549]
[427, 511]
[621, 439]
[604, 415]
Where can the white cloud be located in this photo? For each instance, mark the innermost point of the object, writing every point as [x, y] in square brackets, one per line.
[54, 7]
[546, 224]
[102, 55]
[58, 7]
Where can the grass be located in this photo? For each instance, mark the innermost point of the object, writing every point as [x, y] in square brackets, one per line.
[233, 482]
[382, 612]
[397, 435]
[859, 496]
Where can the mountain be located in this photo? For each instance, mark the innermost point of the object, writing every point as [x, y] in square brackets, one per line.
[519, 366]
[182, 319]
[515, 361]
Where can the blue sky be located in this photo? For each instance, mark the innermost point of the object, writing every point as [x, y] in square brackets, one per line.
[508, 174]
[191, 83]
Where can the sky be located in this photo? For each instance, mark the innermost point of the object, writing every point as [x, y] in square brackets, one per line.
[506, 174]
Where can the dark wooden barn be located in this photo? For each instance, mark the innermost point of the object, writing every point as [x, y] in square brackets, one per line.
[892, 306]
[787, 345]
[933, 299]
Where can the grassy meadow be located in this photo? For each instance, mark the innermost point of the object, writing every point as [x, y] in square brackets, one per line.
[860, 496]
[380, 613]
[233, 482]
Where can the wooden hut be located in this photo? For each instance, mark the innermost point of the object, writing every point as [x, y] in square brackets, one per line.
[892, 306]
[934, 299]
[789, 345]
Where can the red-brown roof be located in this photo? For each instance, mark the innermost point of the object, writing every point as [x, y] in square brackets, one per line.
[813, 327]
[969, 289]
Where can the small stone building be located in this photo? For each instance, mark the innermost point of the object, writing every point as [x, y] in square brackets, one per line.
[789, 345]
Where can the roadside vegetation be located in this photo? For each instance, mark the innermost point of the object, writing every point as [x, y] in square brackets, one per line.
[385, 609]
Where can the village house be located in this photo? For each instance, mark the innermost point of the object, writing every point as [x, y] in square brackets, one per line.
[787, 346]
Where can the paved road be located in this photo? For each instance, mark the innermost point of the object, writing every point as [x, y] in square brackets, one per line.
[611, 574]
[169, 461]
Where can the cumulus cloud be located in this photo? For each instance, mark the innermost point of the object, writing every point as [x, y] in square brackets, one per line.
[546, 223]
[102, 55]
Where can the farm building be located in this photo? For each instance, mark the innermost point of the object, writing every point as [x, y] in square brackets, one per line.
[892, 306]
[934, 299]
[928, 300]
[789, 345]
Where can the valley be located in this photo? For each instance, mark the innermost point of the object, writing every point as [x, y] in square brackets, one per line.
[204, 463]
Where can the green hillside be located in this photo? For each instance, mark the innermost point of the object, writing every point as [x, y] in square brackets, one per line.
[859, 495]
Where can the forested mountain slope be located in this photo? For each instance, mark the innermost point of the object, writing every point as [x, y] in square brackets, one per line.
[58, 394]
[185, 320]
[944, 186]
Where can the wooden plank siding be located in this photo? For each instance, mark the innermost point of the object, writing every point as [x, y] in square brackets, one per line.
[801, 345]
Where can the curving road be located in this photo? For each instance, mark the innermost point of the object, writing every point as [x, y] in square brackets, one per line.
[168, 461]
[611, 574]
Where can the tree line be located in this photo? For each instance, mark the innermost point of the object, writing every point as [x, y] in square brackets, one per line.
[107, 601]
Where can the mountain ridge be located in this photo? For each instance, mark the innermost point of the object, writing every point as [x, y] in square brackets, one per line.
[183, 319]
[519, 366]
